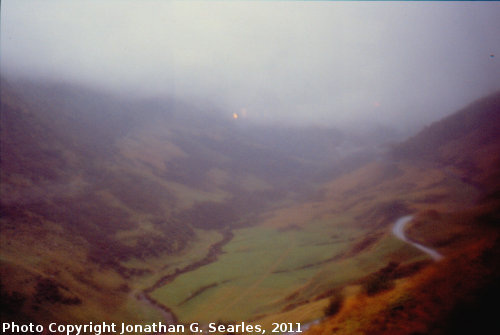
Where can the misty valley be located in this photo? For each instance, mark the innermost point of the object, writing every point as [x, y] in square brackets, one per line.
[119, 209]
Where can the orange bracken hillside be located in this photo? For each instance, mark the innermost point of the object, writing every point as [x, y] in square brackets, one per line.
[449, 177]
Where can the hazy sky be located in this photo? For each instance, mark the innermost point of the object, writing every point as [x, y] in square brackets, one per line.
[290, 61]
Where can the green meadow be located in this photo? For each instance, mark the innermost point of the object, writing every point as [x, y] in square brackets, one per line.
[264, 270]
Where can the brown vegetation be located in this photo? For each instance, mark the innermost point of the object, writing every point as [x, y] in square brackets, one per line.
[65, 182]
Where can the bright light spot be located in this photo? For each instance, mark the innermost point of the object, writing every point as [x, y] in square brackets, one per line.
[376, 104]
[235, 116]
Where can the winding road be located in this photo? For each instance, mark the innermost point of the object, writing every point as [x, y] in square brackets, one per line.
[398, 231]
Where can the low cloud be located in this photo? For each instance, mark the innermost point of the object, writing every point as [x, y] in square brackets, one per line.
[288, 62]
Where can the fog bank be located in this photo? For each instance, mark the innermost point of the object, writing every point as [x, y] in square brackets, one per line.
[334, 63]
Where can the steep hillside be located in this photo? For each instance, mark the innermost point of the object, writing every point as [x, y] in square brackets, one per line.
[117, 208]
[120, 192]
[466, 142]
[447, 175]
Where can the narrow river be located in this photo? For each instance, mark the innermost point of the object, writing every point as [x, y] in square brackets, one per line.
[397, 230]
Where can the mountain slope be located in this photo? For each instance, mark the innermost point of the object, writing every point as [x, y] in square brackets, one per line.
[123, 209]
[121, 192]
[467, 141]
[455, 164]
